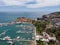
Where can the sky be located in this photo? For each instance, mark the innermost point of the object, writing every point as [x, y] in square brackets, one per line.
[29, 5]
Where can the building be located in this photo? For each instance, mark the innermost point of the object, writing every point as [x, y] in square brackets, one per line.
[23, 19]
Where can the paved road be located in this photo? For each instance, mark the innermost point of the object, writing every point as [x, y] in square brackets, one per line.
[57, 41]
[45, 43]
[35, 34]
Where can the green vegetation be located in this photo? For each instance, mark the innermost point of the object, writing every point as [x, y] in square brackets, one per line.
[40, 42]
[57, 33]
[52, 43]
[41, 23]
[40, 26]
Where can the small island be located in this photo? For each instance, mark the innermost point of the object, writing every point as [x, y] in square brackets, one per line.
[23, 19]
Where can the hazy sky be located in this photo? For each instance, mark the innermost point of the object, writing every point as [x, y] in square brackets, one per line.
[29, 5]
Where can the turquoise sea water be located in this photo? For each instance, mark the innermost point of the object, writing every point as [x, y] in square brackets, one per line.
[11, 16]
[12, 29]
[12, 32]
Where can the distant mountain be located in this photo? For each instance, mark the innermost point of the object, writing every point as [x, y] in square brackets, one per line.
[55, 14]
[54, 17]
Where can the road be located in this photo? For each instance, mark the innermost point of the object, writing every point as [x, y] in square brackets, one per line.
[45, 43]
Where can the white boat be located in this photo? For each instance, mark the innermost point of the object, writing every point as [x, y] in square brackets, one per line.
[18, 37]
[18, 22]
[6, 38]
[10, 42]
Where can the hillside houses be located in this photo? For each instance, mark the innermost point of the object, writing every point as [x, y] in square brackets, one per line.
[45, 37]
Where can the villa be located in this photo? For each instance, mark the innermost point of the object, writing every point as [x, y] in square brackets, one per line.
[45, 37]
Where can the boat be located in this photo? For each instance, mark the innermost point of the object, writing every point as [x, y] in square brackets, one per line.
[7, 38]
[10, 42]
[18, 37]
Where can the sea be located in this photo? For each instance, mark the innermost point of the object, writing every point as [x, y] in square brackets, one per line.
[11, 16]
[11, 30]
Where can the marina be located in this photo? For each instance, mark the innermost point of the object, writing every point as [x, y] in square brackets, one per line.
[17, 34]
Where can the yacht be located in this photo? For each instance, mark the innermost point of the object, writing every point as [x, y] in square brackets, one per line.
[10, 42]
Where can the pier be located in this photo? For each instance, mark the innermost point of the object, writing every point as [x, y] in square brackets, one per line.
[3, 33]
[15, 39]
[4, 24]
[21, 32]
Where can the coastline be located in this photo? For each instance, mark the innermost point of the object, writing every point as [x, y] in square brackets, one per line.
[12, 23]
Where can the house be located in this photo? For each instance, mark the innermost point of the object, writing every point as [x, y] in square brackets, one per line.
[46, 37]
[38, 37]
[52, 38]
[58, 25]
[23, 19]
[49, 26]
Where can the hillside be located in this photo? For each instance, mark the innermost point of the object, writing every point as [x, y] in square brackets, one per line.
[53, 17]
[49, 23]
